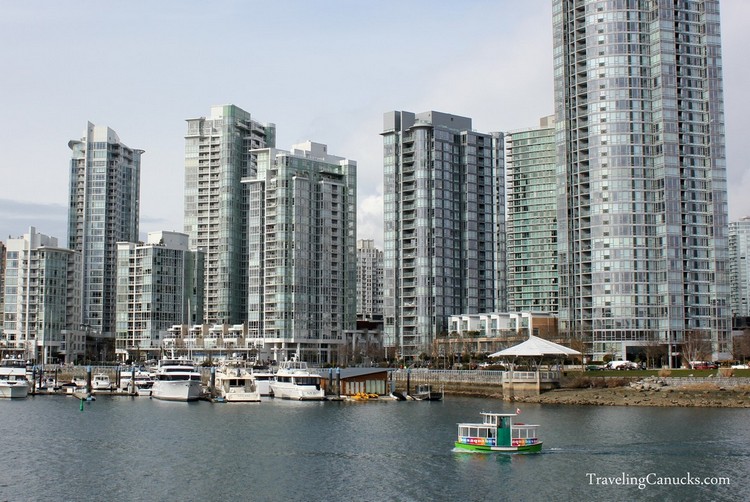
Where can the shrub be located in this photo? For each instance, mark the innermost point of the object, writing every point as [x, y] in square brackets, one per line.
[664, 372]
[726, 372]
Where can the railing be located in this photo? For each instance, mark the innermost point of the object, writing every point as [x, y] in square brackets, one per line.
[474, 376]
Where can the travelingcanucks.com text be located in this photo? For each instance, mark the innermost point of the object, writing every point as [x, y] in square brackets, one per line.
[653, 479]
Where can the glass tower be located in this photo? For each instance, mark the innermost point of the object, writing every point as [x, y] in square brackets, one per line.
[105, 178]
[302, 268]
[642, 189]
[739, 266]
[444, 226]
[532, 218]
[217, 156]
[369, 280]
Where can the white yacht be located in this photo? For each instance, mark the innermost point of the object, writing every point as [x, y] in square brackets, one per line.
[138, 382]
[101, 383]
[176, 379]
[13, 380]
[236, 383]
[294, 380]
[263, 377]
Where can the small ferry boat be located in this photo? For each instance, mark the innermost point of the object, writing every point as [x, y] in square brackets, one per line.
[177, 379]
[236, 383]
[294, 380]
[498, 434]
[13, 381]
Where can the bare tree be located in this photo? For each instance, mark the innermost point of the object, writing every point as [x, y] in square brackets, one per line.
[696, 346]
[654, 350]
[741, 346]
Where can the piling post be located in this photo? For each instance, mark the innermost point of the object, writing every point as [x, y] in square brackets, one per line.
[88, 379]
[408, 381]
[338, 382]
[133, 390]
[212, 382]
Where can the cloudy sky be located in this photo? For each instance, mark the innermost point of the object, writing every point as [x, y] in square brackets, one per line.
[323, 70]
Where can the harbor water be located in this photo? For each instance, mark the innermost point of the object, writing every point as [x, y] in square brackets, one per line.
[123, 448]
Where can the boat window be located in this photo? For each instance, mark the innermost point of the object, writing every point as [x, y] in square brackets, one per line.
[306, 381]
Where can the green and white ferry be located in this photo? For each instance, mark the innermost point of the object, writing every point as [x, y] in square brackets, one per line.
[498, 434]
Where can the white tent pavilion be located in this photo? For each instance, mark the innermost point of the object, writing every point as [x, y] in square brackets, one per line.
[536, 347]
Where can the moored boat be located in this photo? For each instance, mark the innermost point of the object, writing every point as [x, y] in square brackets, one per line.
[424, 392]
[13, 381]
[176, 379]
[236, 383]
[136, 382]
[101, 383]
[498, 434]
[294, 380]
[263, 376]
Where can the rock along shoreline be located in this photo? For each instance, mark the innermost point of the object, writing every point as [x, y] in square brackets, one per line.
[699, 396]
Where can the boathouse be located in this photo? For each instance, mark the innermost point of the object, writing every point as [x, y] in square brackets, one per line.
[355, 380]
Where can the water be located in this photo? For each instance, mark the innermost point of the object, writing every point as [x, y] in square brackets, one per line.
[121, 448]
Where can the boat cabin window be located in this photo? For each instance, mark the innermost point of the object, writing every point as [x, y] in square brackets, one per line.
[524, 432]
[306, 380]
[476, 432]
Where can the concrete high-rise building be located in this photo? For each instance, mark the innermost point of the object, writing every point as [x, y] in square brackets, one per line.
[531, 226]
[104, 204]
[159, 285]
[444, 226]
[369, 281]
[42, 300]
[642, 198]
[219, 153]
[302, 230]
[739, 266]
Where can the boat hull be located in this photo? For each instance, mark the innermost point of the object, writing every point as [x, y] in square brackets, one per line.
[297, 392]
[532, 448]
[176, 390]
[241, 397]
[14, 390]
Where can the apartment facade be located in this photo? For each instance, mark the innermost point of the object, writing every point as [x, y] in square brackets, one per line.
[739, 266]
[531, 226]
[42, 300]
[444, 226]
[642, 198]
[302, 266]
[103, 210]
[159, 285]
[369, 280]
[219, 153]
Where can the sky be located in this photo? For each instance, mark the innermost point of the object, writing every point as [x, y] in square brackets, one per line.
[324, 70]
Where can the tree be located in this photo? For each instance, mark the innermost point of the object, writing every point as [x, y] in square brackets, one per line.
[654, 350]
[696, 346]
[741, 346]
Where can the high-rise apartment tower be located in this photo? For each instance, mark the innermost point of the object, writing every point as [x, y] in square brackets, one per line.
[531, 227]
[444, 226]
[105, 178]
[369, 280]
[739, 266]
[642, 198]
[302, 267]
[217, 156]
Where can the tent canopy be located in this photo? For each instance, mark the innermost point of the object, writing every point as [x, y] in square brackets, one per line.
[536, 347]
